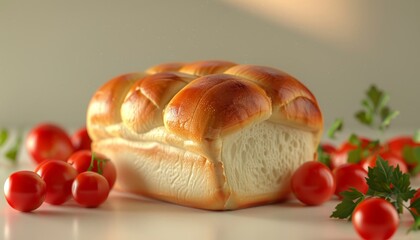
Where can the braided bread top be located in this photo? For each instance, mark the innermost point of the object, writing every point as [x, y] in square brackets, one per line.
[202, 101]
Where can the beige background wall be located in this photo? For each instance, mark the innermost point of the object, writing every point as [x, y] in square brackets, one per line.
[54, 54]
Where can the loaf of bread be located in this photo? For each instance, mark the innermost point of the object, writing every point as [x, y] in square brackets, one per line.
[210, 134]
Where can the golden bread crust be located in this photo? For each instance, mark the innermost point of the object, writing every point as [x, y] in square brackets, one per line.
[172, 119]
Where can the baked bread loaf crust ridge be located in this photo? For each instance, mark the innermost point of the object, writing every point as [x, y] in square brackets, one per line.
[210, 134]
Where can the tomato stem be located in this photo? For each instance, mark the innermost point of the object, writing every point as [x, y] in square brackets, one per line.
[99, 163]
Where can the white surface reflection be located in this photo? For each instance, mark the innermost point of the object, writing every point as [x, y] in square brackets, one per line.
[125, 216]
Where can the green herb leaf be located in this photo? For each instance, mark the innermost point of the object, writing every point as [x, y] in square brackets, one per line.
[354, 140]
[416, 205]
[385, 111]
[416, 136]
[374, 96]
[376, 113]
[351, 199]
[367, 105]
[412, 156]
[379, 178]
[383, 102]
[4, 134]
[388, 118]
[13, 152]
[335, 127]
[374, 144]
[401, 190]
[386, 182]
[354, 156]
[324, 157]
[416, 224]
[364, 117]
[415, 170]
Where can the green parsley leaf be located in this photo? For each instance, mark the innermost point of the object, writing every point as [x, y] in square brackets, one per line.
[324, 157]
[416, 205]
[415, 170]
[4, 134]
[355, 140]
[414, 209]
[400, 189]
[385, 112]
[351, 199]
[384, 99]
[335, 127]
[386, 121]
[13, 152]
[375, 96]
[375, 113]
[386, 182]
[416, 224]
[354, 156]
[379, 178]
[412, 156]
[364, 117]
[373, 145]
[416, 136]
[367, 105]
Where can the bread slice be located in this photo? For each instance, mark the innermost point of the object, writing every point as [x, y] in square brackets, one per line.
[211, 134]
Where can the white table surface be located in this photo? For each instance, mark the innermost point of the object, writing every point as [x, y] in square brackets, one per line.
[125, 216]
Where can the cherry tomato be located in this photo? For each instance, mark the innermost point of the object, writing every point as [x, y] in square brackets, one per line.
[81, 161]
[313, 183]
[350, 176]
[389, 157]
[81, 139]
[416, 196]
[396, 145]
[328, 148]
[339, 157]
[25, 191]
[90, 189]
[48, 141]
[375, 218]
[58, 176]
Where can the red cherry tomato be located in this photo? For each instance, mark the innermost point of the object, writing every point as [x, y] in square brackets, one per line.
[25, 191]
[389, 157]
[81, 139]
[350, 176]
[313, 183]
[81, 161]
[396, 145]
[58, 176]
[339, 157]
[375, 218]
[90, 189]
[49, 141]
[416, 196]
[328, 148]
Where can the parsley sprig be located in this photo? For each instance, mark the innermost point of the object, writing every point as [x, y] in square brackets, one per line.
[361, 151]
[386, 182]
[337, 126]
[12, 153]
[376, 113]
[324, 157]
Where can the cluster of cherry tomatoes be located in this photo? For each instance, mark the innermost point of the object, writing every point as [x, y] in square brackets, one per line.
[66, 169]
[392, 151]
[314, 183]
